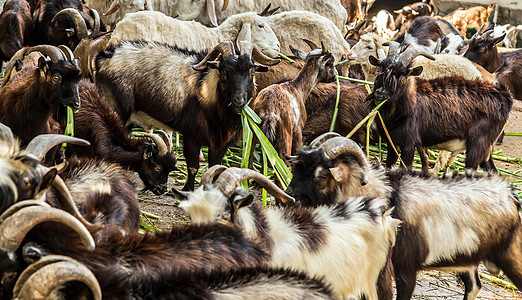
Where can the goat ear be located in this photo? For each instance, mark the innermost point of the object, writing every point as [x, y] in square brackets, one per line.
[415, 71]
[46, 181]
[243, 201]
[213, 64]
[374, 61]
[298, 53]
[245, 34]
[42, 65]
[260, 68]
[339, 173]
[499, 39]
[148, 151]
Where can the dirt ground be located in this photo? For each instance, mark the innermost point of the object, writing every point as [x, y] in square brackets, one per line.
[430, 284]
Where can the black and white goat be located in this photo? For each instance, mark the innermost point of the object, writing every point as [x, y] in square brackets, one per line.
[181, 90]
[449, 223]
[418, 110]
[423, 34]
[334, 242]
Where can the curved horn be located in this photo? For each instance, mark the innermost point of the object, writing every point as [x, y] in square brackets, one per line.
[486, 34]
[6, 135]
[115, 5]
[209, 176]
[225, 5]
[340, 145]
[311, 44]
[160, 143]
[477, 34]
[79, 23]
[410, 54]
[41, 144]
[40, 279]
[96, 17]
[19, 55]
[223, 48]
[318, 141]
[53, 52]
[258, 56]
[15, 227]
[393, 48]
[228, 181]
[67, 52]
[167, 138]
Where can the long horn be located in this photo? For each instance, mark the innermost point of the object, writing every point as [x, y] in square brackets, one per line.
[477, 34]
[318, 141]
[209, 176]
[228, 181]
[40, 279]
[53, 52]
[224, 48]
[41, 144]
[6, 135]
[67, 52]
[311, 44]
[393, 48]
[167, 138]
[407, 56]
[160, 143]
[19, 55]
[258, 55]
[340, 145]
[96, 17]
[225, 5]
[79, 22]
[14, 228]
[486, 34]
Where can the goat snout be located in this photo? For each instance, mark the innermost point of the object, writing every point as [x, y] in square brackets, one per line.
[238, 103]
[160, 189]
[73, 102]
[380, 95]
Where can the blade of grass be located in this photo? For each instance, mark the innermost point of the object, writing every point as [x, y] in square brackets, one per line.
[265, 171]
[336, 109]
[355, 80]
[286, 57]
[247, 144]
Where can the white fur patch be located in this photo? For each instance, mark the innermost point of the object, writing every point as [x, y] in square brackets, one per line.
[452, 145]
[204, 206]
[295, 109]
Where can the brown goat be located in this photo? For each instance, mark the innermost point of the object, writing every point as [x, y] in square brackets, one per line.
[16, 24]
[281, 107]
[472, 17]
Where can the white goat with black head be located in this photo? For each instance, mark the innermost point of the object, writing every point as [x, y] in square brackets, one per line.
[347, 244]
[447, 223]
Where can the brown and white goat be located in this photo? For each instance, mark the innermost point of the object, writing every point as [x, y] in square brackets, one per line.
[507, 66]
[418, 110]
[282, 107]
[28, 100]
[184, 90]
[98, 123]
[16, 25]
[410, 12]
[334, 242]
[450, 223]
[423, 34]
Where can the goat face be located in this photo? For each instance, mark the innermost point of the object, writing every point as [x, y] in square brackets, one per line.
[327, 71]
[391, 81]
[481, 50]
[61, 82]
[236, 73]
[312, 182]
[154, 169]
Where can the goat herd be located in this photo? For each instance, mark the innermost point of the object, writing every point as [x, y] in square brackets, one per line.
[344, 228]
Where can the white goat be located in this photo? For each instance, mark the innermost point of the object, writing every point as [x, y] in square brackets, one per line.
[153, 26]
[510, 41]
[384, 24]
[346, 244]
[214, 12]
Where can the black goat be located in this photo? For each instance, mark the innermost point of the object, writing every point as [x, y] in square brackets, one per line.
[507, 65]
[28, 100]
[448, 113]
[181, 90]
[16, 25]
[98, 123]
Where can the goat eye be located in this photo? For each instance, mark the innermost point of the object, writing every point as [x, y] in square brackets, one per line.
[157, 169]
[57, 78]
[261, 26]
[369, 47]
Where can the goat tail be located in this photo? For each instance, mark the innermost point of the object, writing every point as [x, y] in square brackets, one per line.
[390, 226]
[269, 127]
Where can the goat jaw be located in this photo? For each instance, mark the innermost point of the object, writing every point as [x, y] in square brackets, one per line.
[40, 279]
[20, 218]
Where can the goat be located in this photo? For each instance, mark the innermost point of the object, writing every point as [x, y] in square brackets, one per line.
[410, 12]
[38, 90]
[415, 115]
[98, 123]
[384, 25]
[507, 66]
[321, 242]
[511, 33]
[472, 17]
[422, 34]
[61, 22]
[155, 26]
[188, 92]
[452, 40]
[206, 12]
[356, 9]
[281, 107]
[449, 223]
[16, 25]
